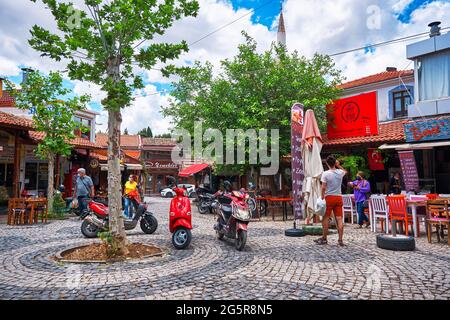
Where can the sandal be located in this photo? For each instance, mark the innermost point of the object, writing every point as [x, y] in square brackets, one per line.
[341, 243]
[321, 241]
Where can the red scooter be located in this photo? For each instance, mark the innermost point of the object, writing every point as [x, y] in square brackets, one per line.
[96, 219]
[180, 219]
[233, 215]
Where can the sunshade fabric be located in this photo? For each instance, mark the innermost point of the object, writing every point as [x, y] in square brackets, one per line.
[189, 171]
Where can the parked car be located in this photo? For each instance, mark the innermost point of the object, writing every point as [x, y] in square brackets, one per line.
[169, 193]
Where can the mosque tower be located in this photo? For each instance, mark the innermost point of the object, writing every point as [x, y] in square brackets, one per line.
[281, 35]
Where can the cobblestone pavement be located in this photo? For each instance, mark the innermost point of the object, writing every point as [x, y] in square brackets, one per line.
[271, 267]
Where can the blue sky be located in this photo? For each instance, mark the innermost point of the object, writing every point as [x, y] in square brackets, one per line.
[405, 16]
[264, 15]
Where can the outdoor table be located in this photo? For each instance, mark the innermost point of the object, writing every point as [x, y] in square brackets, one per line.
[414, 204]
[283, 201]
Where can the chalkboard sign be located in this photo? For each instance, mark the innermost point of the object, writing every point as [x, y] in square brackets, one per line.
[409, 169]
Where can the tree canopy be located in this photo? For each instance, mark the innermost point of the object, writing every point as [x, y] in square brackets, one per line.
[254, 91]
[146, 132]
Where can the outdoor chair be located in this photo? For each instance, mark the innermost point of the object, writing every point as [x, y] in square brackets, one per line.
[398, 211]
[17, 211]
[349, 207]
[438, 215]
[380, 211]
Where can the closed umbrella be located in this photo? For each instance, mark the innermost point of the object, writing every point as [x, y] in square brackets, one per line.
[313, 168]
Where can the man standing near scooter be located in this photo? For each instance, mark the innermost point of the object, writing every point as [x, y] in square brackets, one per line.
[84, 189]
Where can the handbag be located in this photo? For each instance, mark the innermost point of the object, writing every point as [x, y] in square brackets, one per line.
[321, 207]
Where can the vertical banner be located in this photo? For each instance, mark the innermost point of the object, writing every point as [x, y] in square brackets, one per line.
[409, 169]
[298, 174]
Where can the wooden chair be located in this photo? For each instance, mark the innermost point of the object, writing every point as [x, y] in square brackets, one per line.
[41, 209]
[380, 211]
[17, 211]
[398, 211]
[438, 215]
[348, 208]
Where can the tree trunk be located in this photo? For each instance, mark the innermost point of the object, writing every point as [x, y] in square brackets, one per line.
[51, 182]
[116, 226]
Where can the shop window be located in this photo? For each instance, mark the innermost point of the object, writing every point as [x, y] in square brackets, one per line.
[36, 176]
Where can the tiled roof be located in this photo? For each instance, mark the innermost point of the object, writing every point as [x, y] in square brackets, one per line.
[388, 132]
[77, 142]
[10, 120]
[158, 142]
[6, 100]
[380, 77]
[126, 141]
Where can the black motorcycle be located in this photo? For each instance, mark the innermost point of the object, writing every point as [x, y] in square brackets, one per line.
[204, 203]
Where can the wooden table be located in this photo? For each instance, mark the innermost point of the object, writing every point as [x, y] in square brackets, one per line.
[283, 201]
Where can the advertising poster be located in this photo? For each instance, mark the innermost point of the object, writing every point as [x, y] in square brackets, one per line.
[353, 117]
[297, 117]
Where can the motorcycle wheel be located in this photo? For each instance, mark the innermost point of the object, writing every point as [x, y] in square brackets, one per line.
[252, 204]
[181, 238]
[149, 224]
[202, 209]
[89, 230]
[241, 239]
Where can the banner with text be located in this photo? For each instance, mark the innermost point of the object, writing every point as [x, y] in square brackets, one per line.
[298, 174]
[409, 169]
[353, 116]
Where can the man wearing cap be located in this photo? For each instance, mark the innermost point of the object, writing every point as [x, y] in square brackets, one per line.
[84, 189]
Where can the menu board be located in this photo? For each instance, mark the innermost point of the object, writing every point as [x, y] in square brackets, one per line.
[298, 174]
[409, 169]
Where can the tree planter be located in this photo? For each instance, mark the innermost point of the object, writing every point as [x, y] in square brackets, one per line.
[96, 253]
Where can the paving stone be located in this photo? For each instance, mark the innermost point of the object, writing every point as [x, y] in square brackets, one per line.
[271, 267]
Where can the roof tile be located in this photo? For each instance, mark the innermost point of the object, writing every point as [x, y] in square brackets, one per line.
[380, 77]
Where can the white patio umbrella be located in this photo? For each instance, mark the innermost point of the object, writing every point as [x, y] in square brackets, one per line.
[313, 168]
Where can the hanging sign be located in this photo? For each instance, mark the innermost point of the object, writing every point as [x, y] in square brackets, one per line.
[298, 175]
[430, 130]
[353, 117]
[409, 170]
[375, 160]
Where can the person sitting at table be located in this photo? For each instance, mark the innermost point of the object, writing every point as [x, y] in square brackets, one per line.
[361, 188]
[395, 185]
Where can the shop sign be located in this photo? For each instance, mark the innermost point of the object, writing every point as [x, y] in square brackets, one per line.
[430, 130]
[161, 165]
[375, 160]
[409, 170]
[298, 175]
[353, 117]
[94, 163]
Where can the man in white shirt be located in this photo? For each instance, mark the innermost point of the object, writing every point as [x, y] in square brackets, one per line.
[332, 193]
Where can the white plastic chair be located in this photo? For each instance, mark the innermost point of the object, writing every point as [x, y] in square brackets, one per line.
[348, 208]
[379, 210]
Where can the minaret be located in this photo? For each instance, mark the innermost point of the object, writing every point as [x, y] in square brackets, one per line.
[281, 35]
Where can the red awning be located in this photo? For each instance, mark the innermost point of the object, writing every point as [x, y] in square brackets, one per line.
[189, 171]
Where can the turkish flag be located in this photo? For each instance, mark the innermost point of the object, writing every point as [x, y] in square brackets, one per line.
[375, 160]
